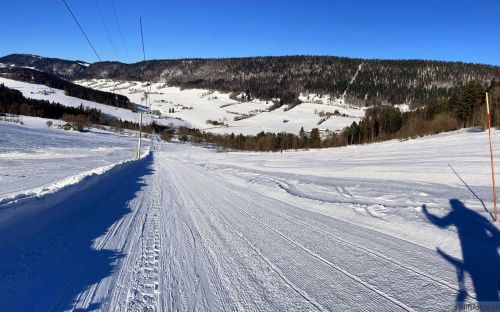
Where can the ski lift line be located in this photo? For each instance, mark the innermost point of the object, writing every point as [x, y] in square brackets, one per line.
[119, 27]
[144, 59]
[81, 29]
[142, 39]
[106, 29]
[145, 93]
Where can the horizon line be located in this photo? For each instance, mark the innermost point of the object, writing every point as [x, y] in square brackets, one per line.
[261, 56]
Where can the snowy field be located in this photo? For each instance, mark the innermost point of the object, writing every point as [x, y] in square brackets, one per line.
[196, 106]
[394, 226]
[35, 158]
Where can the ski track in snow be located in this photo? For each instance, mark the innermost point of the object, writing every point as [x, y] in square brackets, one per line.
[352, 80]
[168, 234]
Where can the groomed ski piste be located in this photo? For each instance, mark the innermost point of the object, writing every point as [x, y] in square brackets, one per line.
[393, 226]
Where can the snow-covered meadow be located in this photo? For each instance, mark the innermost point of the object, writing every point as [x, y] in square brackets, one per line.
[197, 106]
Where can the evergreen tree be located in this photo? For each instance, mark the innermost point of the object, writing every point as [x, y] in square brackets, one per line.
[302, 137]
[315, 141]
[471, 99]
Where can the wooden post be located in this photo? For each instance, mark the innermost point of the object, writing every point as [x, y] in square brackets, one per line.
[492, 161]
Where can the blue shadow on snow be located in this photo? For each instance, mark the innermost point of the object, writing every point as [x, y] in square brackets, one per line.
[48, 259]
[479, 241]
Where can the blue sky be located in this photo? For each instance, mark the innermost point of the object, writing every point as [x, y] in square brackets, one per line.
[456, 30]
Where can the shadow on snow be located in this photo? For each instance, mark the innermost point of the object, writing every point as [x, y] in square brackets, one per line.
[48, 259]
[479, 241]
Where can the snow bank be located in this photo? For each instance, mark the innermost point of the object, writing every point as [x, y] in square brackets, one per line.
[28, 202]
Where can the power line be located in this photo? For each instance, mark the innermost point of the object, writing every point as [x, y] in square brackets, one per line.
[83, 32]
[142, 37]
[114, 49]
[144, 58]
[144, 55]
[145, 93]
[119, 27]
[106, 29]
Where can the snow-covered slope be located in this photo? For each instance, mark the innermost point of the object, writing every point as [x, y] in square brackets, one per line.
[395, 226]
[42, 92]
[379, 181]
[36, 159]
[197, 106]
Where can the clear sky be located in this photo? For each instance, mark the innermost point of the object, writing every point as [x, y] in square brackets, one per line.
[455, 30]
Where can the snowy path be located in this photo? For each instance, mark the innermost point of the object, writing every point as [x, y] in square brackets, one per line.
[178, 237]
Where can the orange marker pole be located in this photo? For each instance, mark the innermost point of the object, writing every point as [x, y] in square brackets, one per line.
[491, 158]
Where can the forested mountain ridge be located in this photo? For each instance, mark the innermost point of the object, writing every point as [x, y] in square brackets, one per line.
[63, 68]
[286, 77]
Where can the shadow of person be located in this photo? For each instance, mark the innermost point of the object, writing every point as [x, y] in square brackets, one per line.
[479, 241]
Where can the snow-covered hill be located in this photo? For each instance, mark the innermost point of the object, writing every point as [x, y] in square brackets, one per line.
[42, 92]
[197, 106]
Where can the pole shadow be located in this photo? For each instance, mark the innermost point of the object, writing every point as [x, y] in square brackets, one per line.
[472, 191]
[48, 259]
[479, 241]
